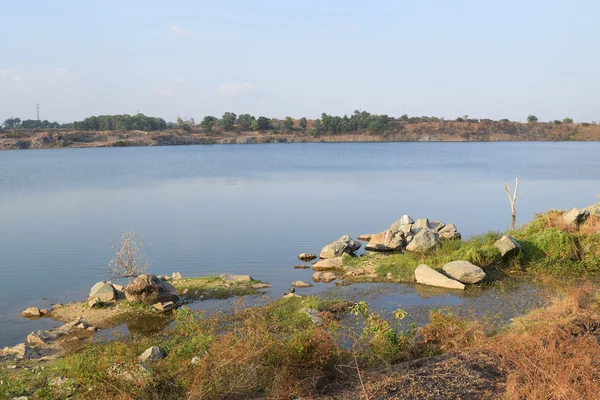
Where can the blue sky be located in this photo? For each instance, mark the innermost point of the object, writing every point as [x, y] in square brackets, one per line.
[496, 59]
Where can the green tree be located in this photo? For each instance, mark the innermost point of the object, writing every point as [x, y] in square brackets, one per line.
[227, 121]
[254, 124]
[532, 119]
[264, 123]
[244, 121]
[288, 124]
[316, 129]
[568, 120]
[207, 123]
[303, 123]
[404, 118]
[12, 123]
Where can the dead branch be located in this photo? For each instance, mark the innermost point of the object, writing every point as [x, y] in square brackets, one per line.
[128, 262]
[513, 198]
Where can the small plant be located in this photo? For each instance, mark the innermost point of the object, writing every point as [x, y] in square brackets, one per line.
[400, 314]
[361, 308]
[128, 262]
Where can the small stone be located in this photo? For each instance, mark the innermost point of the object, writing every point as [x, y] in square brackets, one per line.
[342, 283]
[103, 290]
[151, 354]
[301, 266]
[95, 303]
[324, 277]
[43, 312]
[315, 315]
[176, 275]
[118, 288]
[236, 278]
[91, 329]
[365, 237]
[31, 312]
[288, 295]
[82, 325]
[389, 276]
[166, 306]
[300, 284]
[508, 246]
[306, 257]
[261, 286]
[185, 291]
[195, 360]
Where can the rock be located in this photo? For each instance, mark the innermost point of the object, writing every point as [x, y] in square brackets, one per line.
[31, 312]
[464, 271]
[343, 245]
[342, 283]
[118, 288]
[328, 264]
[307, 256]
[404, 225]
[195, 360]
[301, 266]
[288, 295]
[323, 277]
[42, 337]
[151, 354]
[300, 284]
[436, 225]
[423, 241]
[169, 305]
[450, 228]
[137, 375]
[409, 238]
[430, 277]
[104, 291]
[82, 325]
[576, 216]
[594, 210]
[43, 312]
[236, 278]
[95, 303]
[366, 237]
[508, 246]
[91, 329]
[261, 286]
[449, 232]
[148, 289]
[176, 275]
[315, 315]
[386, 241]
[389, 276]
[422, 223]
[19, 352]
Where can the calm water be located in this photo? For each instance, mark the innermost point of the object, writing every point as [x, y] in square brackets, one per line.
[252, 208]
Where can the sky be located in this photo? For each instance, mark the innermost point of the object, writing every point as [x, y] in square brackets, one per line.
[485, 59]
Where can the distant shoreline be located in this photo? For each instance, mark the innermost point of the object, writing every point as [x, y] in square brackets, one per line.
[422, 132]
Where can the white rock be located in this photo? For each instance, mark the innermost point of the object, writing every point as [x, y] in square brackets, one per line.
[464, 271]
[430, 277]
[151, 354]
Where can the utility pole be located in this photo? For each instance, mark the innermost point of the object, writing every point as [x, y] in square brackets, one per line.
[37, 106]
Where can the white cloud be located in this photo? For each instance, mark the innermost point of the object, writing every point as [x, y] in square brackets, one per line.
[52, 76]
[233, 89]
[10, 76]
[177, 31]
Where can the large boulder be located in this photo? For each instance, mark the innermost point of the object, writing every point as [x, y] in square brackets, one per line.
[508, 246]
[449, 232]
[422, 223]
[430, 277]
[148, 289]
[423, 241]
[594, 210]
[404, 224]
[345, 244]
[328, 264]
[386, 241]
[576, 216]
[104, 291]
[464, 271]
[436, 225]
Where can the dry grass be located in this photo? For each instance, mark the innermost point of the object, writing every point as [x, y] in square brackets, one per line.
[554, 219]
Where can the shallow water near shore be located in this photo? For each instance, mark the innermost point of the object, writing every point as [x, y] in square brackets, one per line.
[251, 209]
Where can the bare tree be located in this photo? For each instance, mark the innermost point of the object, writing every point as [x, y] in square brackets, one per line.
[513, 198]
[128, 262]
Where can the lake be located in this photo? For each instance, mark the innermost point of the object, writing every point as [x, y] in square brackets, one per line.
[251, 209]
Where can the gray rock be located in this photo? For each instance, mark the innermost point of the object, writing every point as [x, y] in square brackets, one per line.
[328, 264]
[104, 291]
[19, 352]
[301, 284]
[422, 223]
[430, 277]
[594, 210]
[151, 354]
[464, 271]
[315, 315]
[423, 241]
[386, 241]
[307, 256]
[576, 216]
[450, 235]
[404, 224]
[236, 278]
[345, 244]
[148, 289]
[436, 225]
[31, 312]
[41, 337]
[95, 303]
[508, 246]
[323, 277]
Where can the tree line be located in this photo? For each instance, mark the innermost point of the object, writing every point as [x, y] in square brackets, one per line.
[359, 121]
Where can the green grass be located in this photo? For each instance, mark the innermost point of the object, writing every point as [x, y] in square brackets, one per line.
[214, 287]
